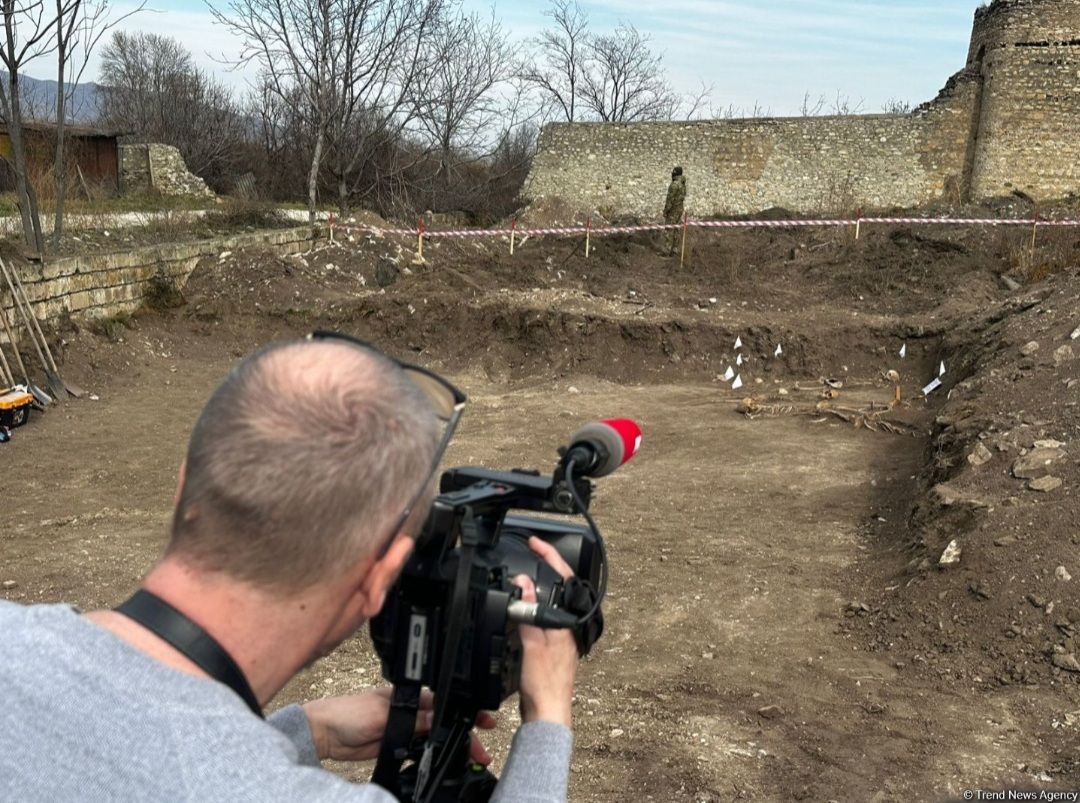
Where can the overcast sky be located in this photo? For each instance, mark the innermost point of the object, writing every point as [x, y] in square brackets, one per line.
[767, 52]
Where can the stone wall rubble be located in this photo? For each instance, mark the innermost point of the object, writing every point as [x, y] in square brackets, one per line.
[148, 167]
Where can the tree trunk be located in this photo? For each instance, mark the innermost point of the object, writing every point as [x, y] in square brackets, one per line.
[59, 164]
[313, 175]
[343, 196]
[26, 198]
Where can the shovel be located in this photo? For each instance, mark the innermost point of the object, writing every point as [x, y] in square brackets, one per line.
[73, 389]
[43, 398]
[56, 385]
[5, 371]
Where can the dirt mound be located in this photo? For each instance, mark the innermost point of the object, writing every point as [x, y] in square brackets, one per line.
[554, 213]
[1002, 486]
[627, 313]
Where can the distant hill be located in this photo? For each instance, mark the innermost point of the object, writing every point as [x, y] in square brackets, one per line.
[39, 100]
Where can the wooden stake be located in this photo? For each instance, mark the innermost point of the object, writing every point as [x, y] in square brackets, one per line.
[150, 168]
[1034, 231]
[858, 223]
[513, 233]
[682, 252]
[82, 182]
[588, 235]
[420, 239]
[331, 228]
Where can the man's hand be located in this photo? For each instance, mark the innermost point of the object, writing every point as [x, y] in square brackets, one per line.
[352, 728]
[550, 659]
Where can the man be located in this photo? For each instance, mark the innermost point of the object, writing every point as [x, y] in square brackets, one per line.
[674, 205]
[291, 523]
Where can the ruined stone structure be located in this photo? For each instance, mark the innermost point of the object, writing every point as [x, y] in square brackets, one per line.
[1010, 120]
[151, 166]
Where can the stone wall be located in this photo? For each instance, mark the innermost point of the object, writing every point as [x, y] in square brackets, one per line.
[742, 166]
[1008, 121]
[146, 167]
[106, 284]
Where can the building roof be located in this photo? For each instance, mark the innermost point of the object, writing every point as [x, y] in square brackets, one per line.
[83, 131]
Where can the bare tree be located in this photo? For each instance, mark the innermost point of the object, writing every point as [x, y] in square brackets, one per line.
[299, 49]
[28, 28]
[558, 65]
[462, 111]
[77, 35]
[845, 106]
[348, 61]
[840, 106]
[733, 112]
[812, 107]
[385, 74]
[624, 80]
[137, 73]
[695, 105]
[282, 138]
[151, 87]
[897, 106]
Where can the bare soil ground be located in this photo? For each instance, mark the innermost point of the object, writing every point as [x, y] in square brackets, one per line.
[778, 624]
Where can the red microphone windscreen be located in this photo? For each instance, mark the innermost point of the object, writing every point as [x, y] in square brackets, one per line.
[630, 434]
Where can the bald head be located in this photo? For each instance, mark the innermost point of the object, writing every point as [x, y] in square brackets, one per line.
[301, 463]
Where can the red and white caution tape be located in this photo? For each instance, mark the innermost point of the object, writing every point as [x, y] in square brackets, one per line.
[571, 231]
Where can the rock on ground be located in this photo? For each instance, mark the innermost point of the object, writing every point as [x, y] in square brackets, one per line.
[1045, 484]
[1036, 463]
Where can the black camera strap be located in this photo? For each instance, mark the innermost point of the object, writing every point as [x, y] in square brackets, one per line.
[176, 629]
[400, 729]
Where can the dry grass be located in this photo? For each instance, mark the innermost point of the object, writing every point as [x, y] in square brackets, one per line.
[111, 327]
[241, 213]
[1050, 252]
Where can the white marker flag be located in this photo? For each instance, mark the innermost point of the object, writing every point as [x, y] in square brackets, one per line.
[941, 370]
[737, 383]
[730, 374]
[903, 351]
[779, 350]
[738, 360]
[738, 342]
[931, 387]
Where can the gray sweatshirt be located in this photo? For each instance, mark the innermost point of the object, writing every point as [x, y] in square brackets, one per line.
[86, 717]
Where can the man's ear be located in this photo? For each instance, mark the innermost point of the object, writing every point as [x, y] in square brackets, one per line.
[180, 477]
[383, 572]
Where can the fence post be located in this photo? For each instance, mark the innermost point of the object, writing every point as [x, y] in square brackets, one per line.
[858, 222]
[420, 238]
[588, 235]
[513, 232]
[682, 252]
[331, 228]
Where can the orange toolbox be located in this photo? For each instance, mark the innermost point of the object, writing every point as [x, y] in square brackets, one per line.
[15, 407]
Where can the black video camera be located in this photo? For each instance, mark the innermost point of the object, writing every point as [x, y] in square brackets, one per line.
[451, 621]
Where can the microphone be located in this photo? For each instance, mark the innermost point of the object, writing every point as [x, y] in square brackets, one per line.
[599, 448]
